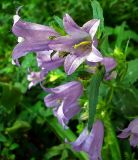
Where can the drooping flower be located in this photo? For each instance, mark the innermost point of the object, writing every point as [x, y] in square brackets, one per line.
[32, 37]
[46, 62]
[63, 100]
[91, 143]
[132, 131]
[80, 43]
[109, 64]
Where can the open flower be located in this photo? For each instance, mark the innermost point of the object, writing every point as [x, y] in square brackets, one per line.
[63, 99]
[80, 43]
[91, 142]
[34, 78]
[132, 131]
[32, 37]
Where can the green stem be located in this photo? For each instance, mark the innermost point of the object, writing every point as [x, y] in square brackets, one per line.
[93, 95]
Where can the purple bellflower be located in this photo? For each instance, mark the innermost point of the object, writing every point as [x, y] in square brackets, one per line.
[34, 78]
[109, 64]
[46, 62]
[132, 131]
[80, 43]
[63, 99]
[91, 143]
[32, 37]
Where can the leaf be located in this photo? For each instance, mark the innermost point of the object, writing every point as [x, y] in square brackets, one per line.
[132, 72]
[56, 150]
[93, 94]
[98, 14]
[18, 125]
[59, 21]
[14, 146]
[10, 95]
[2, 138]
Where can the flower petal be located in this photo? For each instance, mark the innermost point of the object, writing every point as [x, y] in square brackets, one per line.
[23, 48]
[133, 140]
[59, 113]
[94, 28]
[72, 62]
[69, 25]
[65, 43]
[32, 31]
[70, 109]
[94, 55]
[43, 56]
[88, 25]
[51, 100]
[93, 143]
[77, 145]
[109, 63]
[34, 78]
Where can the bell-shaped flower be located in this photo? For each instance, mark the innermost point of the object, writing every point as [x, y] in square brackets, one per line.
[32, 37]
[132, 131]
[91, 143]
[63, 100]
[80, 43]
[46, 62]
[109, 63]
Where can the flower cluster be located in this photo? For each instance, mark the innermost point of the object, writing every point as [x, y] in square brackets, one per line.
[53, 50]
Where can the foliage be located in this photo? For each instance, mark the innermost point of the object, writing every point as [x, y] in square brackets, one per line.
[27, 128]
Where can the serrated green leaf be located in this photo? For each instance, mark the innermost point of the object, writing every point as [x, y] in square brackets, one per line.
[132, 72]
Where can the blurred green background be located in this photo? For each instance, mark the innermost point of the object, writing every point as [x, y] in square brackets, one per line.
[28, 130]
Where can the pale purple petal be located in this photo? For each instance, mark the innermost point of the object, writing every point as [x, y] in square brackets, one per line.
[23, 48]
[34, 78]
[72, 62]
[133, 140]
[63, 99]
[53, 64]
[109, 63]
[59, 113]
[52, 100]
[69, 25]
[32, 31]
[70, 110]
[91, 142]
[94, 28]
[88, 25]
[67, 89]
[66, 43]
[43, 56]
[94, 55]
[133, 123]
[132, 131]
[77, 145]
